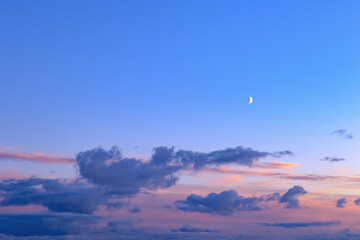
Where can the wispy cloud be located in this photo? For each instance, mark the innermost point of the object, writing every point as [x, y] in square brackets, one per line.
[301, 224]
[333, 159]
[343, 133]
[193, 229]
[276, 165]
[12, 174]
[37, 157]
[283, 175]
[227, 179]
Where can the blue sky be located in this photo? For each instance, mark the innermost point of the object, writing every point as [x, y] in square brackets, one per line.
[137, 73]
[75, 75]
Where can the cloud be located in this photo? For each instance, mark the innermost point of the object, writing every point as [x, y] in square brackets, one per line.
[340, 203]
[343, 133]
[301, 224]
[226, 179]
[345, 234]
[270, 197]
[290, 197]
[282, 153]
[116, 205]
[124, 176]
[254, 237]
[135, 210]
[42, 225]
[108, 175]
[57, 196]
[37, 157]
[128, 176]
[192, 229]
[333, 159]
[119, 225]
[224, 203]
[275, 165]
[282, 175]
[12, 174]
[227, 202]
[238, 155]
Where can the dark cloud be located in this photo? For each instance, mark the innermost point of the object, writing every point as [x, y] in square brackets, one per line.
[345, 234]
[147, 234]
[42, 225]
[290, 197]
[135, 210]
[238, 155]
[57, 196]
[254, 237]
[70, 226]
[131, 236]
[282, 153]
[116, 205]
[224, 203]
[357, 201]
[333, 159]
[227, 202]
[270, 197]
[340, 203]
[127, 176]
[107, 176]
[343, 133]
[301, 224]
[192, 229]
[119, 225]
[124, 176]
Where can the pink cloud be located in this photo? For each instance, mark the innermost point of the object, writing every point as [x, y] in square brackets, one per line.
[228, 179]
[21, 209]
[275, 165]
[37, 157]
[282, 175]
[13, 174]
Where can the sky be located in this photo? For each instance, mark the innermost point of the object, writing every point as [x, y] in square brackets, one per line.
[131, 119]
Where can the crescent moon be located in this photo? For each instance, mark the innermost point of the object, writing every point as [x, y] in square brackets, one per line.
[251, 100]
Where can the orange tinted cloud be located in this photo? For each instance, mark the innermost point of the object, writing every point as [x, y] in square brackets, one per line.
[227, 179]
[291, 176]
[37, 157]
[275, 165]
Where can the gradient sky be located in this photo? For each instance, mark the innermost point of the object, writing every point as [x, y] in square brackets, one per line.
[76, 75]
